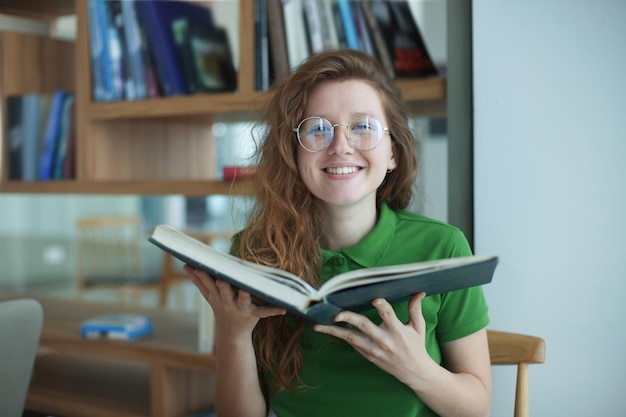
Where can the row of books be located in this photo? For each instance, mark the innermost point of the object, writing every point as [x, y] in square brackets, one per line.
[41, 136]
[153, 48]
[288, 31]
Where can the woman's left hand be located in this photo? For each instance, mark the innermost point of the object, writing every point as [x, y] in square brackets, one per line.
[393, 346]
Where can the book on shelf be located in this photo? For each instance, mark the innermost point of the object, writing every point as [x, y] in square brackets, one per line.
[65, 127]
[137, 84]
[34, 109]
[403, 38]
[377, 38]
[237, 172]
[327, 24]
[52, 135]
[277, 38]
[156, 17]
[262, 66]
[352, 290]
[313, 22]
[348, 24]
[206, 56]
[101, 66]
[362, 29]
[117, 326]
[295, 32]
[15, 139]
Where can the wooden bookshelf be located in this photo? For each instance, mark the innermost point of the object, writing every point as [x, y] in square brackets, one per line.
[152, 146]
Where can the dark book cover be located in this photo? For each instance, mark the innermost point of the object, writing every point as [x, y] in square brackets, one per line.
[277, 39]
[212, 58]
[156, 17]
[15, 139]
[403, 38]
[51, 136]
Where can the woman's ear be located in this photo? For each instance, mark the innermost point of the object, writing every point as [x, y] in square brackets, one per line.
[392, 164]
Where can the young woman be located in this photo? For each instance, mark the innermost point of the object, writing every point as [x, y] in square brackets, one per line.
[335, 173]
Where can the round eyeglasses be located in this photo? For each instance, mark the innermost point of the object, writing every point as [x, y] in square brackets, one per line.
[316, 133]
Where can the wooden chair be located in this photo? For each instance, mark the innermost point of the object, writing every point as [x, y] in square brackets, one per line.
[172, 273]
[109, 254]
[517, 349]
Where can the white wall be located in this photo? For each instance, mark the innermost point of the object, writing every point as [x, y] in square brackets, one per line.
[550, 193]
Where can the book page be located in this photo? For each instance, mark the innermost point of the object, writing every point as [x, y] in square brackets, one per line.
[366, 276]
[257, 279]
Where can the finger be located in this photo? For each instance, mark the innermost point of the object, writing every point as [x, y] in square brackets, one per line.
[416, 318]
[351, 336]
[204, 279]
[265, 312]
[199, 283]
[386, 313]
[243, 299]
[226, 291]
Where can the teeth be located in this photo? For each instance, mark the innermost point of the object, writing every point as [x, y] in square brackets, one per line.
[341, 170]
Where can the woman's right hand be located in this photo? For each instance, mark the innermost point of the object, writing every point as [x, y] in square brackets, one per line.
[234, 310]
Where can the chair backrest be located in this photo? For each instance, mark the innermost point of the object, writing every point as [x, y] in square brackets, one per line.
[21, 321]
[108, 249]
[521, 350]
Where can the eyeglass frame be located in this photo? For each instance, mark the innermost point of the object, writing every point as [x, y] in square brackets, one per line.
[333, 125]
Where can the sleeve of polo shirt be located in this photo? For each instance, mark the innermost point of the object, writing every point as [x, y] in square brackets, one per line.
[462, 312]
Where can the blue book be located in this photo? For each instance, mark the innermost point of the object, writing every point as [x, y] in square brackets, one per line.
[51, 136]
[102, 69]
[32, 109]
[156, 18]
[119, 326]
[349, 27]
[64, 133]
[134, 50]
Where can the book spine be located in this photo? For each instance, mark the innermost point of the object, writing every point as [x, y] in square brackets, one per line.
[295, 32]
[349, 28]
[115, 31]
[161, 44]
[261, 43]
[14, 136]
[180, 30]
[341, 33]
[327, 23]
[101, 66]
[134, 54]
[64, 129]
[411, 56]
[362, 30]
[278, 41]
[69, 163]
[51, 135]
[314, 25]
[31, 129]
[379, 41]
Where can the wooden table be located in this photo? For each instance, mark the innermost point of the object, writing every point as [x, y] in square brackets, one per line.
[162, 375]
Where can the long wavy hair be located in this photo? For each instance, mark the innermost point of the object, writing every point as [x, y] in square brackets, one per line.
[285, 227]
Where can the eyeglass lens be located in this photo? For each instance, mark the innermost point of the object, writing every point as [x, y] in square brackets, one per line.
[316, 133]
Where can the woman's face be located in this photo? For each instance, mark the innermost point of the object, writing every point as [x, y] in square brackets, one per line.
[342, 175]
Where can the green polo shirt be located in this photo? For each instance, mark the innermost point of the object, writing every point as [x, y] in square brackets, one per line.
[339, 381]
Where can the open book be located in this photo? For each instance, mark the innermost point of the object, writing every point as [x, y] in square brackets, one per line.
[352, 290]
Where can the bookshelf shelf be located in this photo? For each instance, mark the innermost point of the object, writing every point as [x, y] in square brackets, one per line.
[185, 187]
[152, 146]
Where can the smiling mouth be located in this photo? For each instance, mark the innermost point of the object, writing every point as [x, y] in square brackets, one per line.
[341, 170]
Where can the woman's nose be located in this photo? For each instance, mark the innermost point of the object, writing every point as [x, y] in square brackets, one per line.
[341, 142]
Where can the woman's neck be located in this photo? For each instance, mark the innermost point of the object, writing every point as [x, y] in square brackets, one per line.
[346, 226]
